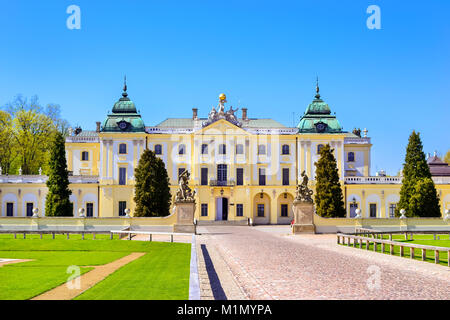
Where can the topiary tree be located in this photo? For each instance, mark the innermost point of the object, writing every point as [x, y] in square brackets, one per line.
[57, 202]
[418, 194]
[152, 191]
[328, 198]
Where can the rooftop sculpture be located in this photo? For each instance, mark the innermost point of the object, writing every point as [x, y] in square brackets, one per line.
[215, 115]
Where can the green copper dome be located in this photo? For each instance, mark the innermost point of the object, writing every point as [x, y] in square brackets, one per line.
[318, 118]
[124, 116]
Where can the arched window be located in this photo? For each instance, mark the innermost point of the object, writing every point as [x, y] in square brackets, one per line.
[351, 157]
[182, 149]
[239, 149]
[158, 149]
[122, 148]
[85, 156]
[261, 149]
[319, 147]
[285, 149]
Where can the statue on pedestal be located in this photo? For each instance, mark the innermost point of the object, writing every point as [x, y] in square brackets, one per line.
[184, 192]
[303, 193]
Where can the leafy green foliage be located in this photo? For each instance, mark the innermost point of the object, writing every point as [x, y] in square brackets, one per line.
[57, 202]
[152, 192]
[418, 194]
[328, 198]
[447, 157]
[26, 132]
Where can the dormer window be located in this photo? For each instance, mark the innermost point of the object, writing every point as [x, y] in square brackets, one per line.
[222, 149]
[239, 149]
[122, 148]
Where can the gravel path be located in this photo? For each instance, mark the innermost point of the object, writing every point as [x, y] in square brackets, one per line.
[268, 263]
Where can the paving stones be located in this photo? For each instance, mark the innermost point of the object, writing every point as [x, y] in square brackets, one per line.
[268, 263]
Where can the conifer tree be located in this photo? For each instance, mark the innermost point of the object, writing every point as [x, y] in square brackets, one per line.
[328, 198]
[57, 202]
[418, 194]
[152, 191]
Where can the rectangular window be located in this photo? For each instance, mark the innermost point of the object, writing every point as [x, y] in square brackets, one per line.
[204, 176]
[392, 208]
[261, 149]
[9, 209]
[122, 207]
[122, 148]
[239, 149]
[262, 176]
[204, 209]
[222, 149]
[373, 210]
[284, 210]
[29, 209]
[204, 148]
[180, 171]
[353, 207]
[89, 209]
[285, 176]
[240, 176]
[221, 174]
[85, 156]
[260, 210]
[122, 176]
[239, 210]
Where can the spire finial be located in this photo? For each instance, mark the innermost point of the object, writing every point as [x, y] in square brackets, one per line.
[317, 88]
[125, 94]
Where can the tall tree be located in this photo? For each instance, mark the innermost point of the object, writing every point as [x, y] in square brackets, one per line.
[152, 192]
[57, 202]
[328, 198]
[418, 194]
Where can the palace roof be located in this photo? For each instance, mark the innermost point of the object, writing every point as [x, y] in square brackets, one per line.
[438, 167]
[124, 116]
[190, 123]
[318, 118]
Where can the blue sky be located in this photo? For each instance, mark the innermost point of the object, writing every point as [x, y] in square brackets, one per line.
[265, 55]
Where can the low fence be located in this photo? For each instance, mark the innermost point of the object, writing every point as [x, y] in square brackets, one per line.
[162, 224]
[359, 240]
[350, 225]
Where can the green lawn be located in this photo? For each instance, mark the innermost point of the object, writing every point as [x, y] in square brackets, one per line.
[418, 239]
[162, 273]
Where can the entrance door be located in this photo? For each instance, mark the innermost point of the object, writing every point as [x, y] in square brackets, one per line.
[224, 209]
[221, 209]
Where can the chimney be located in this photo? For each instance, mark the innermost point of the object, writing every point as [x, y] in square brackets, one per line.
[244, 114]
[194, 113]
[98, 126]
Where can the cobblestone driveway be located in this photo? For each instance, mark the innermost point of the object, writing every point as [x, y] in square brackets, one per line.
[268, 263]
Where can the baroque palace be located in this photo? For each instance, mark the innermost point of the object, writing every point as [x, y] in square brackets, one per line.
[240, 168]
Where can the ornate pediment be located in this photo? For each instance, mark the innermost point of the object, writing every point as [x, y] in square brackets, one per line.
[220, 113]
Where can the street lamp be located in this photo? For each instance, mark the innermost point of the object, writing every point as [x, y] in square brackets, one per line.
[402, 212]
[127, 212]
[35, 212]
[358, 214]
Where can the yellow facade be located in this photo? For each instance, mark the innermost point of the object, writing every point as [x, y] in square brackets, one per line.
[239, 172]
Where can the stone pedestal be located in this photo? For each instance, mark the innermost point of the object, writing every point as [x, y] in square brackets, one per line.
[303, 217]
[185, 217]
